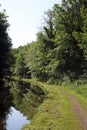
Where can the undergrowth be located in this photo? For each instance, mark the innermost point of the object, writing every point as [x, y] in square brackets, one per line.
[78, 86]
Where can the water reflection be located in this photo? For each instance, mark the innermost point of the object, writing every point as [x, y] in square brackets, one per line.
[4, 110]
[16, 120]
[27, 97]
[13, 120]
[2, 124]
[5, 102]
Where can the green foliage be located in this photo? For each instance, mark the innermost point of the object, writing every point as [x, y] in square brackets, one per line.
[20, 68]
[6, 60]
[70, 55]
[60, 48]
[5, 47]
[27, 97]
[78, 86]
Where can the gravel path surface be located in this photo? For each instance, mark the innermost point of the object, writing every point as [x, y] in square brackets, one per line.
[76, 107]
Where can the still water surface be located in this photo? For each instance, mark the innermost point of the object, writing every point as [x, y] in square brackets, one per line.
[16, 120]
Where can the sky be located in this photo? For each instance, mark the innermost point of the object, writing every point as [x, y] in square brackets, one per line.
[25, 18]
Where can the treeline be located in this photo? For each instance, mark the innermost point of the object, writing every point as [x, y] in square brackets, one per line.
[60, 49]
[6, 61]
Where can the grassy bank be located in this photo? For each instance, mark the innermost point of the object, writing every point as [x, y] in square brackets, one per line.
[55, 113]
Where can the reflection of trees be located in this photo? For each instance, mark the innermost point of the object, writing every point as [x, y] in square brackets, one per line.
[5, 102]
[3, 115]
[2, 123]
[27, 97]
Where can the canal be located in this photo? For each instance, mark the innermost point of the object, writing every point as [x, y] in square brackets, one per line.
[25, 98]
[15, 120]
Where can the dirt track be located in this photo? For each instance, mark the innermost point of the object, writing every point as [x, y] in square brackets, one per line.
[76, 107]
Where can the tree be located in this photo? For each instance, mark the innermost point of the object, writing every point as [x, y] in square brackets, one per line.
[5, 62]
[45, 44]
[5, 47]
[69, 22]
[21, 69]
[49, 29]
[60, 48]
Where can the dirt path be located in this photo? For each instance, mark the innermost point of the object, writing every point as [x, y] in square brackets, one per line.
[77, 109]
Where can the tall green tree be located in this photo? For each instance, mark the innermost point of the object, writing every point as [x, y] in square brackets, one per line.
[5, 47]
[21, 68]
[69, 22]
[5, 62]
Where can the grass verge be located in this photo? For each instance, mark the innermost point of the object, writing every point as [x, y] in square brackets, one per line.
[55, 113]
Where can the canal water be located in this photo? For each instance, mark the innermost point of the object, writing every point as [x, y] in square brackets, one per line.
[25, 96]
[16, 120]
